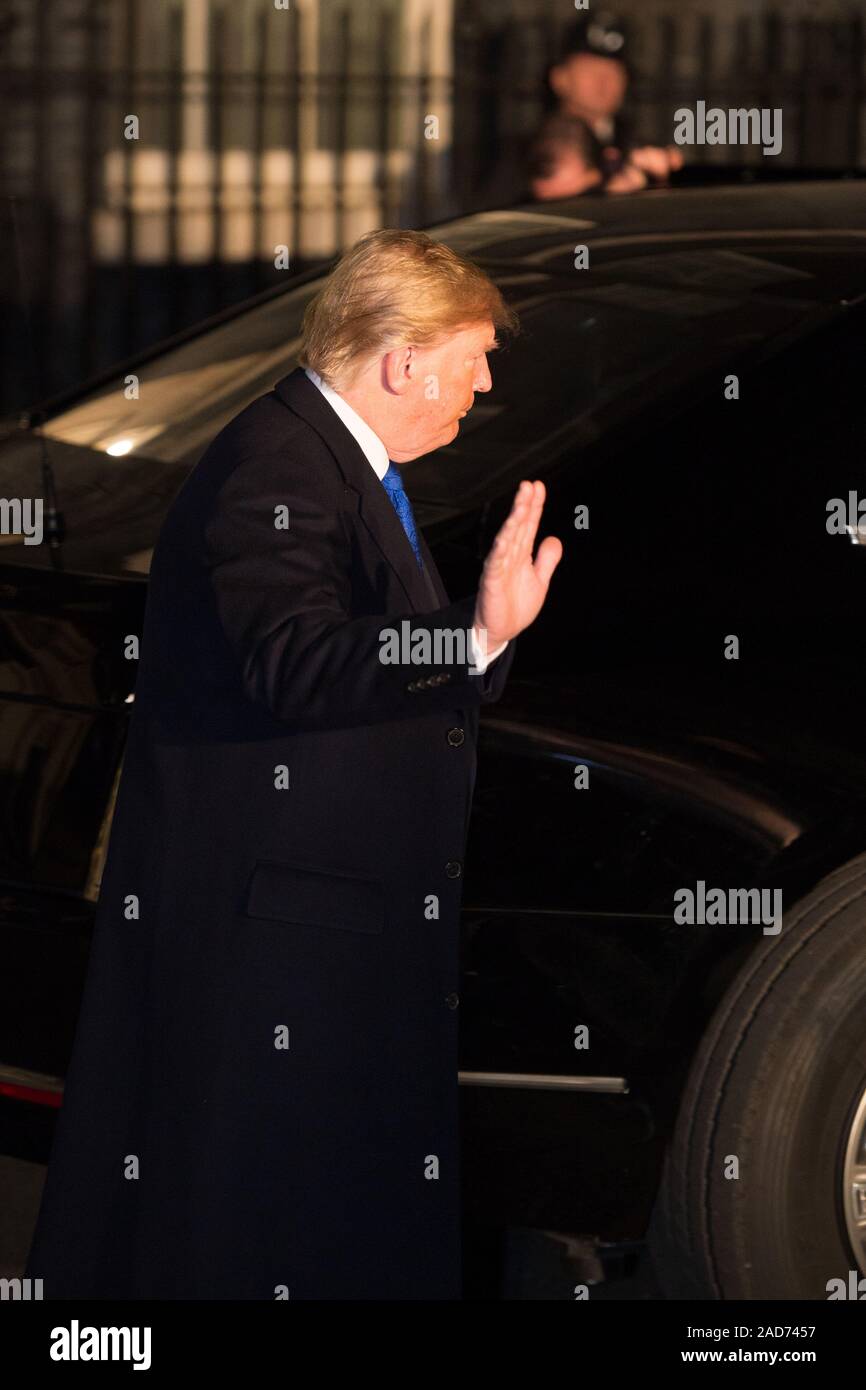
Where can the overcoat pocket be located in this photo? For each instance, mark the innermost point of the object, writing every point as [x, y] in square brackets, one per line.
[309, 897]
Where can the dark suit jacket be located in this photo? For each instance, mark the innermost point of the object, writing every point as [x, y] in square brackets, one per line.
[262, 1097]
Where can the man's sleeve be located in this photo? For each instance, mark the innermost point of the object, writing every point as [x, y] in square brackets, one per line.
[493, 679]
[282, 594]
[481, 659]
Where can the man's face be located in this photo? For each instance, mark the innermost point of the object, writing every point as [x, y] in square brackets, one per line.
[590, 86]
[444, 379]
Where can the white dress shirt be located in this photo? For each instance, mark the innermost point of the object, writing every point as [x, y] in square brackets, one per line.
[377, 456]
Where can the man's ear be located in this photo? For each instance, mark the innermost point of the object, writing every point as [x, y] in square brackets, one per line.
[399, 368]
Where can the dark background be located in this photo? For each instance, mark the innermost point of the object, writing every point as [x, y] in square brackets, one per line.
[305, 127]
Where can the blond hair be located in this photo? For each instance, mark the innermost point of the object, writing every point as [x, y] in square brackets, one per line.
[391, 289]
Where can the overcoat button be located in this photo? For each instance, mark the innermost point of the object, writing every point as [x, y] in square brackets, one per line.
[452, 1000]
[456, 737]
[452, 868]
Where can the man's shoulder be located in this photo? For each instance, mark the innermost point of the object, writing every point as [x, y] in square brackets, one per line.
[265, 449]
[266, 424]
[265, 435]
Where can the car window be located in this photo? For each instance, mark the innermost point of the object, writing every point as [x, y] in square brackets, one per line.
[824, 266]
[188, 393]
[583, 363]
[587, 358]
[579, 350]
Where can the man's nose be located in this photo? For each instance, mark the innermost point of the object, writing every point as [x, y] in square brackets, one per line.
[483, 380]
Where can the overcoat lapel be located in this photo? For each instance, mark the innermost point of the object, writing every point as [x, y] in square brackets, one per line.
[375, 508]
[438, 590]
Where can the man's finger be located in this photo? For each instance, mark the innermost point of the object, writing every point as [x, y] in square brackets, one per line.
[529, 529]
[503, 542]
[507, 534]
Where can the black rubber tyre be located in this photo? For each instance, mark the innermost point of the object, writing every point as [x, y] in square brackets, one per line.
[775, 1082]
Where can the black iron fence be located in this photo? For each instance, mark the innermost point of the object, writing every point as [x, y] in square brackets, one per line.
[262, 144]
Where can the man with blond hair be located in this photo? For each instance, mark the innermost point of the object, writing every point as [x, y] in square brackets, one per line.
[262, 1100]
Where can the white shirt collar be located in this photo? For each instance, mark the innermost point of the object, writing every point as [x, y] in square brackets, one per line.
[371, 444]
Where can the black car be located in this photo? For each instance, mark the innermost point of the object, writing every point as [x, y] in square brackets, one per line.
[649, 1045]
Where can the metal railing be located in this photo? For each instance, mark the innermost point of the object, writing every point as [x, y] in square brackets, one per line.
[276, 141]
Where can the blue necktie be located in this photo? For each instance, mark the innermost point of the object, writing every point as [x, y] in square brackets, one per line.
[393, 485]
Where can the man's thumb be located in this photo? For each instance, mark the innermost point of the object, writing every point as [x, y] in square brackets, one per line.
[547, 558]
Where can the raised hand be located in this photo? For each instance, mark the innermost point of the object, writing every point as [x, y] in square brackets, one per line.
[513, 587]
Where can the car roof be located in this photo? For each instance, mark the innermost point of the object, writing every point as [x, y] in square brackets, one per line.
[836, 206]
[663, 213]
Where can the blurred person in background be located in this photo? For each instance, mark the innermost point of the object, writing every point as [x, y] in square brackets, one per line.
[567, 159]
[583, 144]
[589, 83]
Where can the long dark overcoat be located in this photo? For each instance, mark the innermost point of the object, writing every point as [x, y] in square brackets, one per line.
[262, 1099]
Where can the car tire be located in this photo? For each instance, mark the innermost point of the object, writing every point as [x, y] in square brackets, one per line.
[776, 1083]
